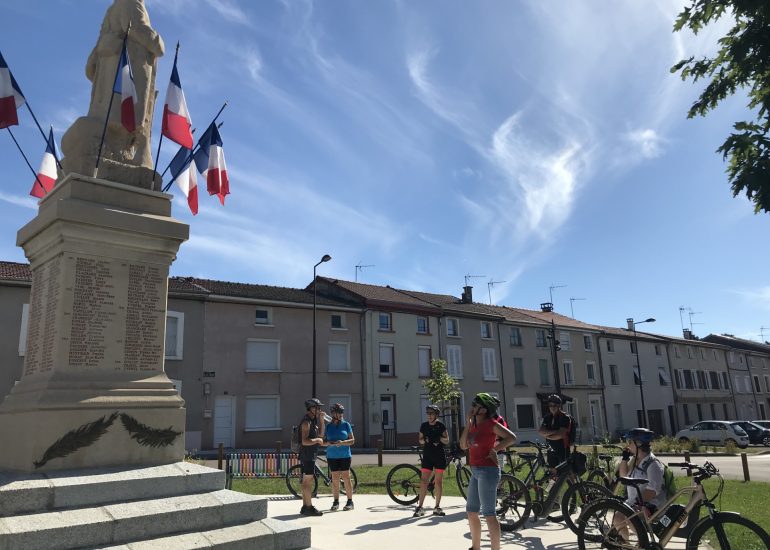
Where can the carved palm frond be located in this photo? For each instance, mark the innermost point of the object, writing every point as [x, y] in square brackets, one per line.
[146, 436]
[85, 435]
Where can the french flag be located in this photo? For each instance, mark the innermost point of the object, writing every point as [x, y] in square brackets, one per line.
[210, 161]
[124, 85]
[176, 117]
[46, 174]
[11, 97]
[185, 177]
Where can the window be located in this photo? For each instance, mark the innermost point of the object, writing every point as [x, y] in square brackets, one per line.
[614, 379]
[686, 411]
[540, 339]
[338, 321]
[702, 381]
[767, 383]
[423, 361]
[515, 336]
[757, 387]
[740, 359]
[569, 378]
[564, 341]
[689, 352]
[702, 353]
[610, 346]
[488, 362]
[422, 325]
[263, 355]
[715, 354]
[713, 411]
[454, 358]
[588, 344]
[714, 376]
[339, 357]
[663, 377]
[688, 380]
[657, 349]
[23, 331]
[738, 385]
[385, 321]
[452, 327]
[633, 347]
[263, 316]
[636, 375]
[747, 380]
[678, 379]
[700, 411]
[724, 409]
[174, 335]
[525, 416]
[591, 372]
[725, 381]
[518, 371]
[262, 413]
[486, 329]
[544, 376]
[676, 351]
[618, 409]
[386, 360]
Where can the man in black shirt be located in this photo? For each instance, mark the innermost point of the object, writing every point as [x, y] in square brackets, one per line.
[555, 429]
[433, 436]
[312, 431]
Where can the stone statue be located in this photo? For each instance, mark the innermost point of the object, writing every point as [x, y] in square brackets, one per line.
[126, 157]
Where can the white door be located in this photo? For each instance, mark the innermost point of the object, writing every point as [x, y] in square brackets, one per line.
[224, 421]
[386, 405]
[596, 419]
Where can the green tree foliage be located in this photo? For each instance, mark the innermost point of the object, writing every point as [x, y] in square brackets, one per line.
[742, 61]
[440, 386]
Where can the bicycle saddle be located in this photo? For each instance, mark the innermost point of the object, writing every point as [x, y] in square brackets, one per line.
[632, 481]
[605, 457]
[528, 456]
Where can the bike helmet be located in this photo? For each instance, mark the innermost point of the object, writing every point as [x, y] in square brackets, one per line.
[432, 408]
[337, 407]
[489, 402]
[642, 435]
[314, 402]
[553, 398]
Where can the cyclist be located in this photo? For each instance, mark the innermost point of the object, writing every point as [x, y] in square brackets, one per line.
[480, 436]
[339, 438]
[433, 437]
[555, 430]
[312, 430]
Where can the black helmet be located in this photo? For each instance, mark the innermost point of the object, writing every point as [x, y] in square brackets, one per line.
[337, 407]
[314, 402]
[433, 408]
[553, 398]
[489, 402]
[642, 435]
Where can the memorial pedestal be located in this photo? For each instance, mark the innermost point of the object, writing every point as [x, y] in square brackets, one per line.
[93, 390]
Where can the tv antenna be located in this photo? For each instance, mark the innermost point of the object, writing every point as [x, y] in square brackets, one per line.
[490, 284]
[571, 305]
[360, 267]
[691, 313]
[682, 309]
[551, 289]
[762, 333]
[473, 277]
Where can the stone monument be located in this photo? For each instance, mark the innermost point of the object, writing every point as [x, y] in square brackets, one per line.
[93, 431]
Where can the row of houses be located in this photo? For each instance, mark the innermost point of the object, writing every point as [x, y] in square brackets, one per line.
[241, 356]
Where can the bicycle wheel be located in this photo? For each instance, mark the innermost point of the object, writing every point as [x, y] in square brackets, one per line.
[598, 476]
[463, 477]
[727, 530]
[577, 497]
[403, 484]
[294, 481]
[513, 503]
[610, 523]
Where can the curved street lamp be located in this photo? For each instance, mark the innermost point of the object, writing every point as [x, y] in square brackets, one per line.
[632, 325]
[325, 258]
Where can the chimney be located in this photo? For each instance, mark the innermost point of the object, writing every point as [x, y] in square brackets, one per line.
[687, 334]
[630, 322]
[546, 307]
[467, 295]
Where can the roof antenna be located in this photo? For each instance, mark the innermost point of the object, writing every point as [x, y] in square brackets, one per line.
[682, 309]
[473, 277]
[691, 313]
[490, 284]
[572, 304]
[552, 287]
[360, 267]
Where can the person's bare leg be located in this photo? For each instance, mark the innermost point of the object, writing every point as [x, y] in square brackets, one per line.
[475, 524]
[307, 490]
[336, 486]
[493, 526]
[348, 484]
[438, 488]
[425, 476]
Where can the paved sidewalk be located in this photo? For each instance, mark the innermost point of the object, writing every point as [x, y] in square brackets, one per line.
[378, 523]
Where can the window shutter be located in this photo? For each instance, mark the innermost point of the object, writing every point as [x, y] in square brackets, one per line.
[262, 356]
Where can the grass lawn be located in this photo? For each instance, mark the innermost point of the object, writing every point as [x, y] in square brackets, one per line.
[749, 499]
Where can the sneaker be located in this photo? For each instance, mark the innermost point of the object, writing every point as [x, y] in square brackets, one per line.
[311, 511]
[335, 506]
[348, 505]
[438, 511]
[418, 512]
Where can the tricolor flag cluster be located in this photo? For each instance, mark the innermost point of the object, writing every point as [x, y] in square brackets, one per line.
[11, 98]
[46, 174]
[124, 85]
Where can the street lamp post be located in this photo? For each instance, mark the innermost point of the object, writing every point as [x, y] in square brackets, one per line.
[325, 258]
[632, 325]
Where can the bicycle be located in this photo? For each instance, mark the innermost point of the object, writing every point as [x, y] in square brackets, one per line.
[606, 475]
[515, 507]
[403, 480]
[612, 523]
[294, 478]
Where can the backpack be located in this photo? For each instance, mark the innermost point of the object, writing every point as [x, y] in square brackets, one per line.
[572, 429]
[669, 483]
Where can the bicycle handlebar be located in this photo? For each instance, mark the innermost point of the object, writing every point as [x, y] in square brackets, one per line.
[536, 444]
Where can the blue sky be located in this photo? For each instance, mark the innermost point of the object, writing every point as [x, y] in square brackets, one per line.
[535, 143]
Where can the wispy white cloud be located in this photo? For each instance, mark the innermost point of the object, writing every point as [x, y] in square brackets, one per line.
[26, 202]
[230, 11]
[758, 296]
[649, 143]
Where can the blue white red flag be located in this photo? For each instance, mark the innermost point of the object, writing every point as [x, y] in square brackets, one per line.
[210, 160]
[185, 177]
[124, 85]
[46, 174]
[176, 117]
[11, 98]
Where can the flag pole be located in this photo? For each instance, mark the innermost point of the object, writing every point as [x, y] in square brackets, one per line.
[157, 155]
[37, 180]
[194, 149]
[109, 107]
